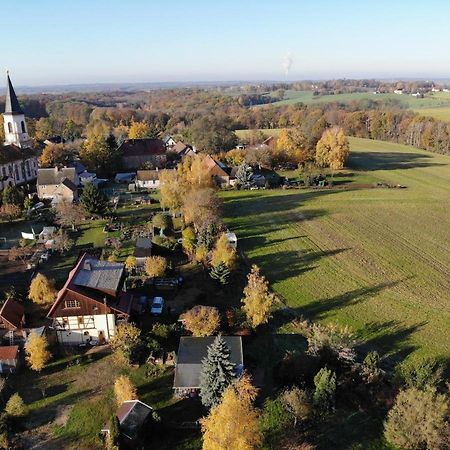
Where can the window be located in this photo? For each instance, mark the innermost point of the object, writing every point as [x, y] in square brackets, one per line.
[23, 126]
[10, 127]
[72, 304]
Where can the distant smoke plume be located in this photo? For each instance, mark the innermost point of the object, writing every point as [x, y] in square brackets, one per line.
[287, 63]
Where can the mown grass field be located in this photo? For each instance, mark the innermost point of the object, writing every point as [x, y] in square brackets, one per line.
[374, 259]
[432, 100]
[439, 113]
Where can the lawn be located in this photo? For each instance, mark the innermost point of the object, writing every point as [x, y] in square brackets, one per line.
[439, 113]
[374, 259]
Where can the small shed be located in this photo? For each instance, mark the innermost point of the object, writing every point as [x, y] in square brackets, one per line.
[9, 359]
[143, 250]
[133, 415]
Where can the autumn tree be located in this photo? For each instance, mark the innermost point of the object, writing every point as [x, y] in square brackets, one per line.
[155, 266]
[223, 252]
[298, 403]
[37, 353]
[160, 221]
[100, 154]
[125, 342]
[325, 383]
[201, 208]
[171, 190]
[130, 263]
[217, 372]
[194, 172]
[44, 128]
[236, 156]
[15, 407]
[93, 200]
[54, 154]
[233, 424]
[418, 420]
[42, 290]
[188, 238]
[63, 243]
[124, 389]
[292, 146]
[68, 214]
[258, 300]
[139, 130]
[332, 150]
[201, 254]
[202, 320]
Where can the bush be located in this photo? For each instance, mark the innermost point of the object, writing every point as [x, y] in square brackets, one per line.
[274, 421]
[125, 342]
[155, 266]
[15, 407]
[298, 403]
[162, 331]
[421, 374]
[202, 320]
[124, 390]
[419, 420]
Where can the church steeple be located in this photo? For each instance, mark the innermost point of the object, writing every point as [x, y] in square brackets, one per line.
[12, 105]
[14, 119]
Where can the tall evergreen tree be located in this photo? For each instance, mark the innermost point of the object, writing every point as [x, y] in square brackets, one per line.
[93, 200]
[221, 273]
[217, 373]
[244, 175]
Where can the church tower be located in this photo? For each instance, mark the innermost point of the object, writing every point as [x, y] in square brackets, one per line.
[14, 119]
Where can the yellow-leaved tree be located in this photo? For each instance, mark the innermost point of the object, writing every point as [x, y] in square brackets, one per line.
[37, 353]
[172, 190]
[223, 253]
[189, 238]
[258, 300]
[139, 130]
[202, 320]
[155, 266]
[291, 146]
[42, 290]
[125, 342]
[130, 263]
[332, 150]
[124, 389]
[233, 424]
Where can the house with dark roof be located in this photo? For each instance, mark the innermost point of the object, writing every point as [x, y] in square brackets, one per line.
[133, 416]
[191, 352]
[92, 302]
[139, 153]
[58, 184]
[18, 160]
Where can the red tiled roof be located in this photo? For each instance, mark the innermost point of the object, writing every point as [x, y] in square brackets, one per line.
[12, 312]
[9, 352]
[143, 147]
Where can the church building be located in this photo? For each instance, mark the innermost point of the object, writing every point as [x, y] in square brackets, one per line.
[18, 160]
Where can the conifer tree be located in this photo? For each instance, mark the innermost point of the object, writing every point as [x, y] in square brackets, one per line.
[93, 200]
[217, 372]
[325, 382]
[221, 273]
[244, 175]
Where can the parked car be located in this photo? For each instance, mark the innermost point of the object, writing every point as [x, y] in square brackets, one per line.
[157, 306]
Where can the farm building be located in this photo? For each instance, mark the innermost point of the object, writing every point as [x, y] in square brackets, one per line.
[191, 352]
[142, 250]
[91, 303]
[136, 153]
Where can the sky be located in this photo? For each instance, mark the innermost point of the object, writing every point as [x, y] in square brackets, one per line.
[50, 42]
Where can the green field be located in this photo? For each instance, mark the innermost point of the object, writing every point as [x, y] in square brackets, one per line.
[375, 259]
[431, 100]
[439, 113]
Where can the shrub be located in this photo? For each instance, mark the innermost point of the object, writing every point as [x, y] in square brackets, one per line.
[15, 407]
[202, 320]
[325, 383]
[421, 374]
[124, 389]
[370, 371]
[125, 342]
[9, 212]
[162, 330]
[42, 290]
[298, 403]
[155, 266]
[419, 420]
[37, 354]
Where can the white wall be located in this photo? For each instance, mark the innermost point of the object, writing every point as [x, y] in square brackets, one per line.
[16, 136]
[75, 334]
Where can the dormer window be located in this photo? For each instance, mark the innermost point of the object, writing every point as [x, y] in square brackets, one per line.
[72, 304]
[23, 126]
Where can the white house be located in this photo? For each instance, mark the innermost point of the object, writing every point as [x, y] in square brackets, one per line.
[91, 303]
[58, 184]
[18, 161]
[147, 179]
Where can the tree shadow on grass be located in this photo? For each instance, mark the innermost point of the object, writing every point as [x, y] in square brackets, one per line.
[390, 160]
[283, 265]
